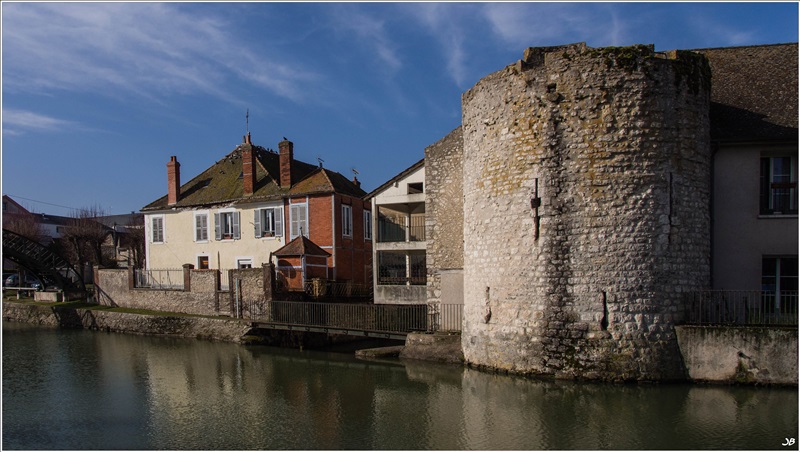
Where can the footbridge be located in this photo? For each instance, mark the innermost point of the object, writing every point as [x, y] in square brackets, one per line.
[353, 319]
[42, 262]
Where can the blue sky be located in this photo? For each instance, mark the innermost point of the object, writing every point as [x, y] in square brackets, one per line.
[97, 96]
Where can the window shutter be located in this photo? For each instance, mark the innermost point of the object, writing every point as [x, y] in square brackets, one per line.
[278, 221]
[293, 227]
[217, 226]
[257, 221]
[367, 225]
[236, 234]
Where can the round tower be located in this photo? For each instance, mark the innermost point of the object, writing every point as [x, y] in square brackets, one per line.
[586, 211]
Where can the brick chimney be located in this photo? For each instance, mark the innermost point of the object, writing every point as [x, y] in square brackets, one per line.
[356, 182]
[248, 166]
[286, 149]
[173, 180]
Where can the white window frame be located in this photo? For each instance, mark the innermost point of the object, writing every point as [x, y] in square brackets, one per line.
[244, 260]
[160, 228]
[227, 222]
[769, 179]
[201, 231]
[367, 225]
[347, 220]
[260, 217]
[296, 226]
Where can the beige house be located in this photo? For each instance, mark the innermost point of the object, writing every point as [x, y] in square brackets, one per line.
[250, 204]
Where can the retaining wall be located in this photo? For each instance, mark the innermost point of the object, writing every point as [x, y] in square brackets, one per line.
[739, 354]
[120, 322]
[199, 296]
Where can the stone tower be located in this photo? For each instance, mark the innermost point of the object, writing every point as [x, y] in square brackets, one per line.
[586, 211]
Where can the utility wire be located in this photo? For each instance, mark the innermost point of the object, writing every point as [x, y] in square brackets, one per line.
[41, 202]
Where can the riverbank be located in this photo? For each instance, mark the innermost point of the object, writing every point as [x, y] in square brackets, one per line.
[79, 315]
[727, 355]
[104, 318]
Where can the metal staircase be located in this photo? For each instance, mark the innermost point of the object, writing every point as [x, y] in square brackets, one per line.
[41, 261]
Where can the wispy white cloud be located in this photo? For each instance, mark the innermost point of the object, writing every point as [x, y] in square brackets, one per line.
[369, 31]
[446, 23]
[541, 24]
[17, 122]
[142, 49]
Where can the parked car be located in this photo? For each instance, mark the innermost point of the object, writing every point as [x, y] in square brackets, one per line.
[29, 281]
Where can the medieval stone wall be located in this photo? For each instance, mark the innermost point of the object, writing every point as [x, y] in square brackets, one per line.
[444, 219]
[586, 211]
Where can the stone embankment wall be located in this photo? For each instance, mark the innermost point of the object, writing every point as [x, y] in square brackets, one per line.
[199, 296]
[753, 355]
[586, 211]
[120, 322]
[444, 220]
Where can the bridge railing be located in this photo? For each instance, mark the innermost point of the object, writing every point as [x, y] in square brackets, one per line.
[381, 318]
[353, 316]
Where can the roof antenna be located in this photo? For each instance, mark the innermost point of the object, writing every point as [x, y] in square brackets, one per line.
[319, 159]
[355, 171]
[247, 121]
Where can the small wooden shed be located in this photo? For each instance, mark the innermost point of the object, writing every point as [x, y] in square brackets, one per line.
[299, 261]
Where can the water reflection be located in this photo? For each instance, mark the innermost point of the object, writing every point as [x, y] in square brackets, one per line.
[85, 390]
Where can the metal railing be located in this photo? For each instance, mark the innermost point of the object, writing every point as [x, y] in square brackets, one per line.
[320, 288]
[158, 278]
[393, 232]
[446, 317]
[739, 307]
[362, 317]
[224, 280]
[402, 280]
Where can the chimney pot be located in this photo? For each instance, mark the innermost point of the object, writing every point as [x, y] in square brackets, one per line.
[248, 168]
[286, 149]
[173, 180]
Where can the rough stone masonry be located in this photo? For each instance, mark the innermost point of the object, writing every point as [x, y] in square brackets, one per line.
[586, 179]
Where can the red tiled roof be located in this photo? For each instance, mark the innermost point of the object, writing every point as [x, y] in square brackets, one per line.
[301, 246]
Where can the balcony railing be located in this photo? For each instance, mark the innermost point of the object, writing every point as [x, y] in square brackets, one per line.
[389, 231]
[402, 280]
[735, 307]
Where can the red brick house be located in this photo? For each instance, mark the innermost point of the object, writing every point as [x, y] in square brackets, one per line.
[254, 202]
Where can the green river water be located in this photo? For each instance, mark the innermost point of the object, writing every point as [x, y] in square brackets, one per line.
[67, 389]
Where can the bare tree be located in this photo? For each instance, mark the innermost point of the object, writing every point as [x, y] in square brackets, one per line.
[83, 238]
[135, 239]
[24, 224]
